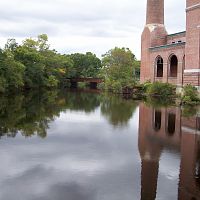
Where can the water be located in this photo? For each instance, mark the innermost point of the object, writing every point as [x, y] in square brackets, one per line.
[85, 146]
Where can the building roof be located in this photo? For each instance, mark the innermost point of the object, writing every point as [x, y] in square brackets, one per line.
[175, 34]
[167, 46]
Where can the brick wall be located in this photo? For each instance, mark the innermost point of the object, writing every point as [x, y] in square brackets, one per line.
[175, 38]
[166, 54]
[193, 39]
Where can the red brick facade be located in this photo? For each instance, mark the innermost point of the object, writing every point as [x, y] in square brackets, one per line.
[171, 58]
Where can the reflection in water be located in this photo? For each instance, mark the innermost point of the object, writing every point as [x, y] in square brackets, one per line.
[79, 157]
[198, 123]
[183, 136]
[82, 101]
[31, 113]
[90, 148]
[117, 110]
[171, 123]
[157, 120]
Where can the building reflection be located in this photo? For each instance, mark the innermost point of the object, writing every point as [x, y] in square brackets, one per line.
[165, 128]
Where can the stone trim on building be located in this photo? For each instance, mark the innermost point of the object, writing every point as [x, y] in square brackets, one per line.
[193, 7]
[192, 71]
[167, 46]
[179, 33]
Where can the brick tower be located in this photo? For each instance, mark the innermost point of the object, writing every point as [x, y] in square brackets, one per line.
[154, 34]
[192, 50]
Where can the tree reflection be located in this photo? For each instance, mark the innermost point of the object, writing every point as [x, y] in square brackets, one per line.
[157, 102]
[31, 113]
[117, 110]
[28, 114]
[82, 101]
[190, 111]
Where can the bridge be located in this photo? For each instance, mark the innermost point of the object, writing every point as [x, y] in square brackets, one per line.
[92, 82]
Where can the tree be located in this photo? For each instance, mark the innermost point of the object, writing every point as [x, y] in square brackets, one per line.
[11, 45]
[11, 71]
[119, 69]
[85, 65]
[33, 64]
[42, 42]
[44, 67]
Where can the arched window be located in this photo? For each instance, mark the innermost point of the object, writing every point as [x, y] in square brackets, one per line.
[157, 120]
[173, 70]
[159, 67]
[171, 126]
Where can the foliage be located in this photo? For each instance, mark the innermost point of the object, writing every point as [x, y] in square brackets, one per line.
[11, 72]
[85, 65]
[145, 86]
[160, 89]
[33, 64]
[118, 71]
[190, 95]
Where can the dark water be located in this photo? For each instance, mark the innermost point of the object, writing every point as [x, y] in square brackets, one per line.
[85, 146]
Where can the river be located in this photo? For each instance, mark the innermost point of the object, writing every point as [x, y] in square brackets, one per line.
[75, 145]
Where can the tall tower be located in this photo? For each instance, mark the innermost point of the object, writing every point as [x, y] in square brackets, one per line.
[154, 34]
[192, 51]
[155, 12]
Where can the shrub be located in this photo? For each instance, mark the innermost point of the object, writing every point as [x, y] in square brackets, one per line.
[160, 89]
[116, 87]
[146, 85]
[190, 95]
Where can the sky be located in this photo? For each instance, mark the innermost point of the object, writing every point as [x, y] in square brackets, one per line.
[82, 26]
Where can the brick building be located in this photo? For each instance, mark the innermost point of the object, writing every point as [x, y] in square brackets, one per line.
[173, 58]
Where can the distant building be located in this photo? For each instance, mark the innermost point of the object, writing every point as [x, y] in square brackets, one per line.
[173, 58]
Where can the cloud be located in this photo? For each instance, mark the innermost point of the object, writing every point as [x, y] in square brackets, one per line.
[108, 22]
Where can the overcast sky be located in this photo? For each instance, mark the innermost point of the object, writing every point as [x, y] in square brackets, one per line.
[81, 26]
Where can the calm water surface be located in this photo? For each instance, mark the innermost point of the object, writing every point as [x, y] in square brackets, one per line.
[85, 146]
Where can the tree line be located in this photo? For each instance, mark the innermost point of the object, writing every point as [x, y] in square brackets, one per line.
[32, 64]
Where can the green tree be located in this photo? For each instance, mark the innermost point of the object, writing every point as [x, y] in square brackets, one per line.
[33, 64]
[85, 65]
[11, 71]
[33, 61]
[119, 66]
